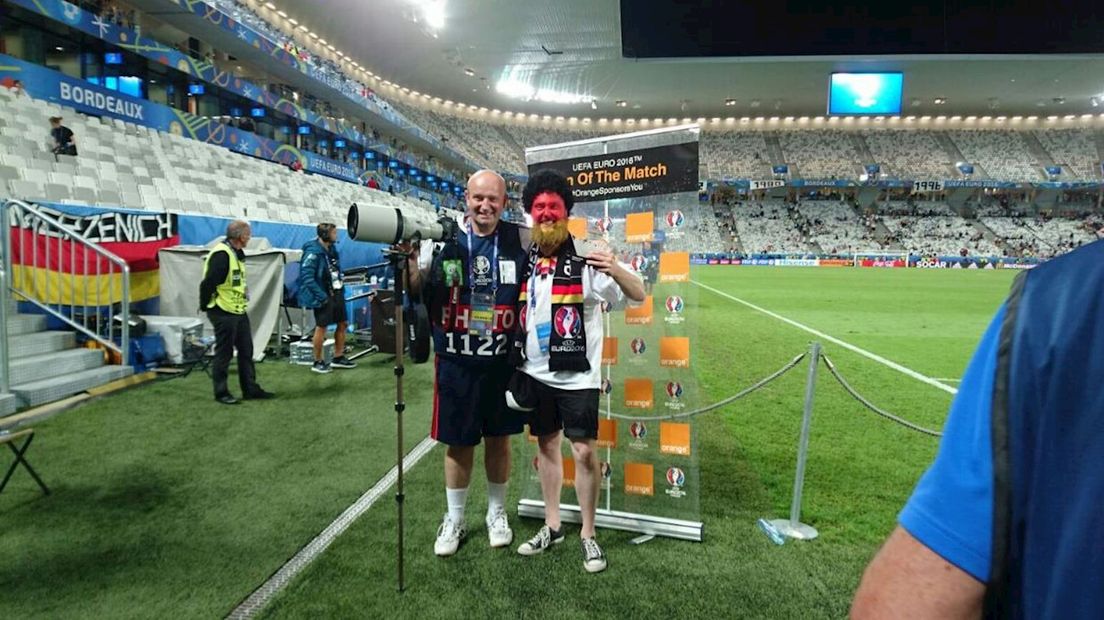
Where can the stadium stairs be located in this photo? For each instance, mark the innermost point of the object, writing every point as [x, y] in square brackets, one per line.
[862, 148]
[955, 155]
[509, 140]
[47, 365]
[1043, 159]
[1098, 140]
[991, 236]
[774, 150]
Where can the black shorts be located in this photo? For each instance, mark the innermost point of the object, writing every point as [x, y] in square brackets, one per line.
[574, 411]
[330, 312]
[469, 402]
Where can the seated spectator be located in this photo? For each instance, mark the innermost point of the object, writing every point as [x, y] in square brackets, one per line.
[373, 183]
[64, 142]
[296, 166]
[17, 88]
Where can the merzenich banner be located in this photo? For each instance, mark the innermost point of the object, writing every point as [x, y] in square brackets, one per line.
[649, 171]
[42, 83]
[648, 452]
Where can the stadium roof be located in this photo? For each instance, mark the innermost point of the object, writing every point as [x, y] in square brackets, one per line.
[564, 49]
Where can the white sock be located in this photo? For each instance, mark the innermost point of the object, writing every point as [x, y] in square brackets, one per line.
[496, 497]
[457, 499]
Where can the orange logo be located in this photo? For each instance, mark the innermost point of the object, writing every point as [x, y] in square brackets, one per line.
[607, 433]
[639, 394]
[639, 315]
[568, 472]
[609, 351]
[577, 226]
[674, 267]
[674, 352]
[639, 227]
[639, 479]
[674, 438]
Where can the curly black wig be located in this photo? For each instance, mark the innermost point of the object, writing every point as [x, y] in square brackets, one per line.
[547, 181]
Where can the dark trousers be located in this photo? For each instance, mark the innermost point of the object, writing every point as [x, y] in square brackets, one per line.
[232, 332]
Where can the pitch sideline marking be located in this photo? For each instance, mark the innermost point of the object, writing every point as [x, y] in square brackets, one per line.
[850, 347]
[264, 594]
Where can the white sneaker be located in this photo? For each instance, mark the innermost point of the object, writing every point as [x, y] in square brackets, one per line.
[449, 536]
[498, 529]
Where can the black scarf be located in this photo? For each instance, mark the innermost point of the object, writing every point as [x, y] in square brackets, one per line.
[567, 346]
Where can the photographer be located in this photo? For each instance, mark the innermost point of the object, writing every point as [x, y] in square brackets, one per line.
[321, 289]
[471, 291]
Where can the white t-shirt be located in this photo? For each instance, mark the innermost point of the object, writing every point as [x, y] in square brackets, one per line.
[597, 287]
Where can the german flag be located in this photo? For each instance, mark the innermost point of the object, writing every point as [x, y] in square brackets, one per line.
[567, 293]
[52, 268]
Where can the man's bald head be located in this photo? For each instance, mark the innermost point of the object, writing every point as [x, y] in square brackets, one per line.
[485, 176]
[486, 198]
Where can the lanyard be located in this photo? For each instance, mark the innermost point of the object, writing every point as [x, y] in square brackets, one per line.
[494, 263]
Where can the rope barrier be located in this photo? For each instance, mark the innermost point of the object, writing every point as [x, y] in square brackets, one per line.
[721, 403]
[871, 406]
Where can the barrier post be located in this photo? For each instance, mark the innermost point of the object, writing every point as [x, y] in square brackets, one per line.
[793, 527]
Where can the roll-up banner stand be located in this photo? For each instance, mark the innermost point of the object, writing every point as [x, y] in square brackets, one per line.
[639, 192]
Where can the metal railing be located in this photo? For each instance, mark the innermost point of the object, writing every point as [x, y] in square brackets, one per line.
[65, 275]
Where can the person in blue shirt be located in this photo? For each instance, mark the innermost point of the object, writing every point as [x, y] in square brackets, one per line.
[321, 289]
[1004, 524]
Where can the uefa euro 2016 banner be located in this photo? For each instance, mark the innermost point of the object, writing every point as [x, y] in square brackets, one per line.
[131, 40]
[356, 92]
[634, 192]
[42, 83]
[649, 171]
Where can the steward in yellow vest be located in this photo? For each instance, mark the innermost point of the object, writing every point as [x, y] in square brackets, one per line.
[223, 295]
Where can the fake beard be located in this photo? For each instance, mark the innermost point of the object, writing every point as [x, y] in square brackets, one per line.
[550, 239]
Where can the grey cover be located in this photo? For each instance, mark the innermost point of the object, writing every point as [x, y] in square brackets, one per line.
[182, 271]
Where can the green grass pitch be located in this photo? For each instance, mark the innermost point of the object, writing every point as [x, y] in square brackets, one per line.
[168, 505]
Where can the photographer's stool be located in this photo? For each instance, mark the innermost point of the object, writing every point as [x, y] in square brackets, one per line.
[20, 457]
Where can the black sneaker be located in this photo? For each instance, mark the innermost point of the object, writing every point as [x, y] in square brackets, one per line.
[258, 394]
[594, 560]
[321, 368]
[545, 538]
[343, 362]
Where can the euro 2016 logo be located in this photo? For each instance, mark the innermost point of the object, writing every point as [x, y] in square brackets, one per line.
[674, 395]
[639, 262]
[674, 221]
[676, 480]
[482, 268]
[607, 386]
[674, 307]
[604, 224]
[638, 347]
[639, 432]
[607, 474]
[568, 323]
[607, 307]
